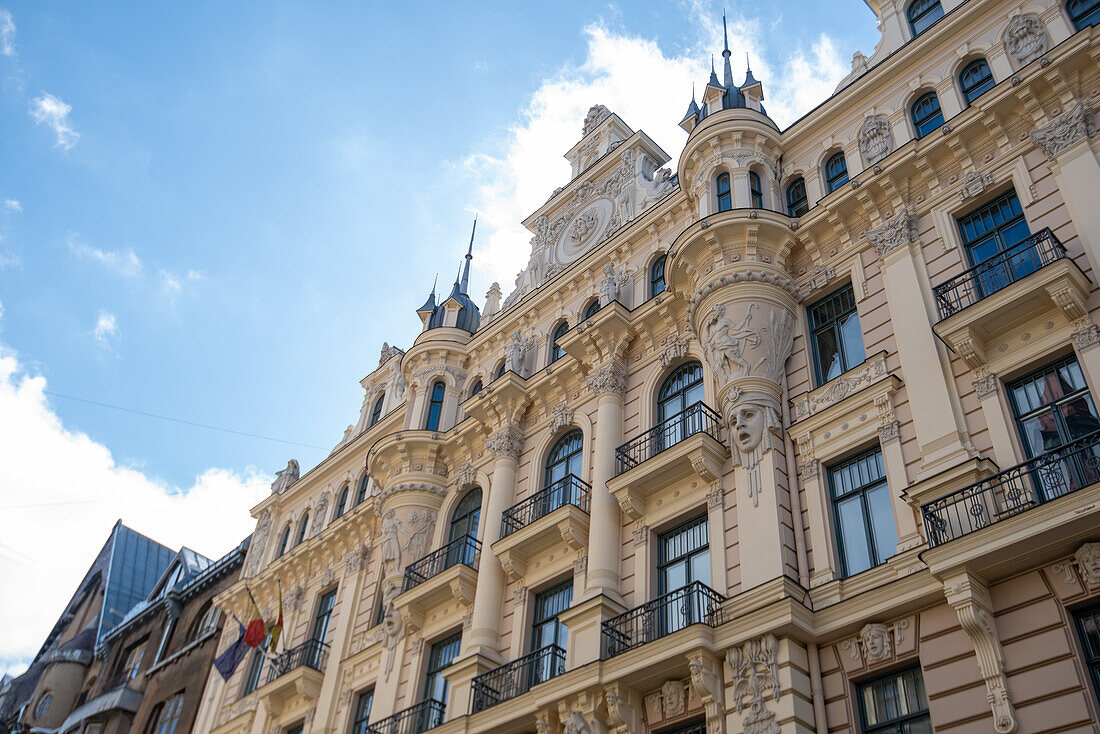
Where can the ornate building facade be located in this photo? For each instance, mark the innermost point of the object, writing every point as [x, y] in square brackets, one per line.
[794, 435]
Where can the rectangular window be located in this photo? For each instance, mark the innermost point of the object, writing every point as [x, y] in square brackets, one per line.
[255, 667]
[992, 236]
[865, 528]
[131, 665]
[836, 339]
[169, 718]
[548, 631]
[362, 712]
[296, 729]
[683, 558]
[895, 704]
[324, 615]
[440, 656]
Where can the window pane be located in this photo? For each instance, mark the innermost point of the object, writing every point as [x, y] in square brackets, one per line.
[828, 355]
[852, 336]
[883, 529]
[853, 536]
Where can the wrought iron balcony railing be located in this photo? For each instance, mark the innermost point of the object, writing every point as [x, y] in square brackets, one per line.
[516, 678]
[696, 418]
[311, 653]
[465, 550]
[997, 272]
[566, 491]
[695, 603]
[1047, 477]
[417, 718]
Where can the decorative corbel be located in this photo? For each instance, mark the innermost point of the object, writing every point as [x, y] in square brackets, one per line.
[513, 567]
[631, 505]
[706, 683]
[624, 710]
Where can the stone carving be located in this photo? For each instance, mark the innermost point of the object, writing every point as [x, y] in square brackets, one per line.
[320, 513]
[839, 388]
[597, 113]
[672, 698]
[675, 348]
[1065, 131]
[707, 685]
[467, 475]
[888, 432]
[807, 462]
[258, 543]
[898, 231]
[875, 641]
[608, 380]
[357, 559]
[752, 430]
[492, 301]
[1025, 39]
[295, 598]
[1086, 336]
[583, 227]
[544, 723]
[387, 352]
[716, 498]
[821, 276]
[580, 564]
[285, 478]
[641, 534]
[560, 418]
[724, 342]
[654, 182]
[875, 140]
[506, 442]
[392, 625]
[575, 724]
[516, 351]
[612, 284]
[755, 678]
[1087, 559]
[396, 489]
[974, 184]
[986, 384]
[419, 535]
[749, 276]
[391, 543]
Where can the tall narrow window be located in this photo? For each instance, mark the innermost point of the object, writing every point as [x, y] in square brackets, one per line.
[993, 236]
[976, 79]
[341, 504]
[363, 488]
[865, 526]
[440, 656]
[756, 190]
[435, 407]
[169, 717]
[303, 526]
[548, 631]
[681, 390]
[501, 367]
[895, 704]
[683, 558]
[927, 115]
[592, 309]
[657, 277]
[565, 458]
[467, 514]
[476, 388]
[836, 340]
[1083, 13]
[556, 352]
[836, 172]
[324, 616]
[797, 205]
[723, 192]
[922, 14]
[376, 411]
[363, 706]
[255, 667]
[283, 541]
[1088, 629]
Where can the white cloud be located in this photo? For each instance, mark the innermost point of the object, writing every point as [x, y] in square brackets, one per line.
[9, 260]
[122, 262]
[7, 34]
[649, 88]
[12, 205]
[106, 328]
[170, 283]
[50, 111]
[78, 501]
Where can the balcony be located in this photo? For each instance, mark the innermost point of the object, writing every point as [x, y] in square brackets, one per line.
[1015, 304]
[449, 574]
[1050, 476]
[556, 516]
[683, 445]
[296, 672]
[695, 603]
[413, 720]
[516, 678]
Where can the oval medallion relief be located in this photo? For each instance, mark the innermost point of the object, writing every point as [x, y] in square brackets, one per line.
[583, 231]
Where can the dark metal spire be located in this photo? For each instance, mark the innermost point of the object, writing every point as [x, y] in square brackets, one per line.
[727, 71]
[469, 257]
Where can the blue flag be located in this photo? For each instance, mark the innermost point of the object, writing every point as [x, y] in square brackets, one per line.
[228, 661]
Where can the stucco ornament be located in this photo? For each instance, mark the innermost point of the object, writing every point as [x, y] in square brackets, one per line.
[467, 475]
[612, 284]
[506, 442]
[608, 380]
[672, 698]
[900, 230]
[875, 139]
[391, 543]
[560, 418]
[420, 525]
[516, 351]
[575, 724]
[755, 678]
[1087, 558]
[583, 227]
[357, 559]
[387, 352]
[392, 624]
[875, 641]
[1025, 39]
[597, 113]
[1072, 126]
[724, 342]
[675, 348]
[285, 478]
[258, 543]
[975, 183]
[399, 384]
[320, 513]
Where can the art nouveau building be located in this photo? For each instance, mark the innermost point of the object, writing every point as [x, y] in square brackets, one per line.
[797, 435]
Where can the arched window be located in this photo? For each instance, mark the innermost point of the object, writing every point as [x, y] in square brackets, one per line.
[722, 189]
[302, 527]
[657, 276]
[976, 79]
[565, 457]
[362, 494]
[465, 518]
[592, 310]
[756, 190]
[556, 352]
[797, 205]
[376, 411]
[927, 115]
[680, 390]
[922, 14]
[476, 388]
[836, 171]
[283, 541]
[341, 503]
[435, 407]
[1083, 13]
[500, 368]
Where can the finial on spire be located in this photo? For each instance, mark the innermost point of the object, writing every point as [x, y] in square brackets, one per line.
[725, 36]
[748, 66]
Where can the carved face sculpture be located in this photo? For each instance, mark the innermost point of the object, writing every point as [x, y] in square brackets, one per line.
[876, 641]
[748, 427]
[1088, 562]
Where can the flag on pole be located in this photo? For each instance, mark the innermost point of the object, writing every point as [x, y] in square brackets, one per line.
[228, 661]
[256, 633]
[276, 628]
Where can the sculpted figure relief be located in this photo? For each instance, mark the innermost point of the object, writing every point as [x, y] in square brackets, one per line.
[516, 351]
[421, 523]
[875, 640]
[391, 543]
[725, 342]
[752, 425]
[612, 284]
[285, 478]
[576, 724]
[583, 227]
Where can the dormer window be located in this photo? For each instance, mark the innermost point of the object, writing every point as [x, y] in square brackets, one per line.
[836, 172]
[724, 192]
[435, 407]
[756, 190]
[922, 14]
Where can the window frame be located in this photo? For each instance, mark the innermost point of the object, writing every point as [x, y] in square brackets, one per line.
[434, 666]
[434, 415]
[833, 324]
[322, 616]
[303, 529]
[723, 190]
[591, 309]
[968, 89]
[919, 18]
[376, 411]
[254, 671]
[877, 559]
[473, 510]
[756, 191]
[930, 120]
[284, 542]
[1052, 406]
[170, 713]
[360, 720]
[556, 352]
[893, 725]
[656, 277]
[797, 207]
[1076, 17]
[361, 492]
[341, 503]
[663, 562]
[837, 178]
[554, 460]
[1090, 658]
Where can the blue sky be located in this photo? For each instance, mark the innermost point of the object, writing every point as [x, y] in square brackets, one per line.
[217, 212]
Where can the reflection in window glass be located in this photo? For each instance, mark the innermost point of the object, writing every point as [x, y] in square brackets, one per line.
[864, 512]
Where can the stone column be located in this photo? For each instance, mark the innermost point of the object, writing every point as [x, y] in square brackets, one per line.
[609, 385]
[745, 321]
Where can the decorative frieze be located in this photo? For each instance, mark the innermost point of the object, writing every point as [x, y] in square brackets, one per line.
[875, 139]
[899, 231]
[1025, 39]
[755, 678]
[746, 276]
[422, 487]
[1065, 131]
[839, 388]
[608, 380]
